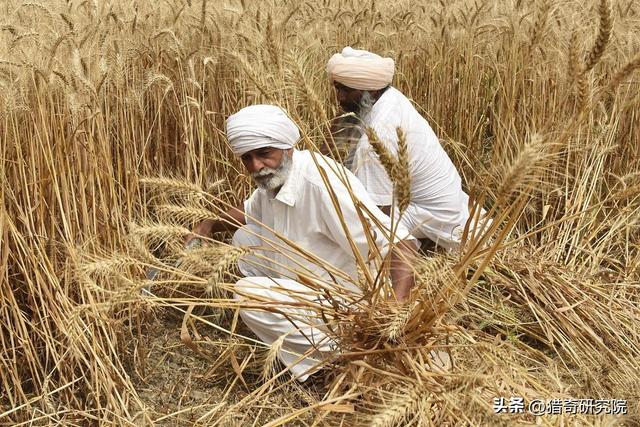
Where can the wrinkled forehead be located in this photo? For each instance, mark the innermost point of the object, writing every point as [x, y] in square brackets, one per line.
[265, 150]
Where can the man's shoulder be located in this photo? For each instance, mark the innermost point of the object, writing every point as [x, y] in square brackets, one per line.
[396, 111]
[390, 107]
[392, 95]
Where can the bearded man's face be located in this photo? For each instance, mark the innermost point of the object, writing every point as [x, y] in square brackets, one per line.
[269, 167]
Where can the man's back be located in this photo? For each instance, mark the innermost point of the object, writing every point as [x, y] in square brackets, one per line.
[435, 182]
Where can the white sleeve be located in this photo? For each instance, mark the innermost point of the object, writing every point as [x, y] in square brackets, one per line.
[253, 208]
[335, 228]
[332, 218]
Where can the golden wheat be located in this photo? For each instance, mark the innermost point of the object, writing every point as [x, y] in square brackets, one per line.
[401, 173]
[604, 34]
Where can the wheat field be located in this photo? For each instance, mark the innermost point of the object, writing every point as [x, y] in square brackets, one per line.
[112, 148]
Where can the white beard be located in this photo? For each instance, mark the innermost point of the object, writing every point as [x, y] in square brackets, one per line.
[276, 177]
[366, 104]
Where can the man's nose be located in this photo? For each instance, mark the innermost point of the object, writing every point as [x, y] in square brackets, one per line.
[255, 165]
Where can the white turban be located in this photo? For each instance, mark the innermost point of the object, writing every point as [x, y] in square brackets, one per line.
[260, 126]
[360, 69]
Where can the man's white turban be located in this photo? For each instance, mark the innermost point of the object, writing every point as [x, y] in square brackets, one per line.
[260, 126]
[360, 69]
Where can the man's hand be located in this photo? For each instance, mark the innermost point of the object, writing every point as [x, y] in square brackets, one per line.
[204, 229]
[228, 221]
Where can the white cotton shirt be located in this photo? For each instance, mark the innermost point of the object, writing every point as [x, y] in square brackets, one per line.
[439, 207]
[303, 212]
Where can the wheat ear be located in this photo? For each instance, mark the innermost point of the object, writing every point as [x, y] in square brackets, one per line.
[518, 171]
[272, 356]
[403, 403]
[386, 158]
[604, 35]
[401, 175]
[623, 73]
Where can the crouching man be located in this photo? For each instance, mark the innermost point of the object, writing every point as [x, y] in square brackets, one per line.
[439, 208]
[301, 221]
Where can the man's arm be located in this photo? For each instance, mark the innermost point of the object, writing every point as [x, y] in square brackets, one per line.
[402, 279]
[230, 220]
[402, 256]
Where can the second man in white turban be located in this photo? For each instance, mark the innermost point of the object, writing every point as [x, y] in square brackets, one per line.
[439, 208]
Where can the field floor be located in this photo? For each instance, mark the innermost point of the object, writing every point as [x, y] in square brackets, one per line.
[171, 376]
[183, 386]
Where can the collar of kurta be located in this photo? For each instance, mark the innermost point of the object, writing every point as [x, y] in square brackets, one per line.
[290, 189]
[379, 106]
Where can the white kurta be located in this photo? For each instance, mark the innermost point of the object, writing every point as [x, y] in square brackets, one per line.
[439, 207]
[303, 212]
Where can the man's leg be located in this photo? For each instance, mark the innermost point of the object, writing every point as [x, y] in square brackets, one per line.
[251, 265]
[304, 344]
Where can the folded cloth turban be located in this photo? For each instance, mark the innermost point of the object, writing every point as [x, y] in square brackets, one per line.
[360, 69]
[260, 126]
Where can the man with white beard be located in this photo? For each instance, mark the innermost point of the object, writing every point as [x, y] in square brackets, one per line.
[293, 211]
[438, 209]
